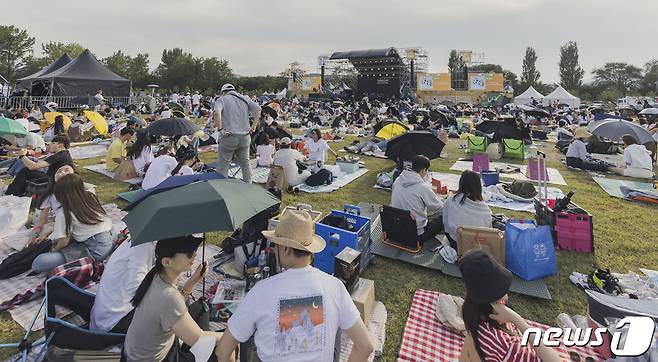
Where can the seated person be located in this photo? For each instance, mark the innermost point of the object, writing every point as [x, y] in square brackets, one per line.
[372, 145]
[413, 193]
[59, 157]
[577, 155]
[187, 159]
[562, 131]
[81, 228]
[32, 142]
[637, 160]
[160, 168]
[116, 153]
[318, 147]
[287, 158]
[301, 295]
[466, 207]
[161, 316]
[265, 150]
[141, 153]
[493, 330]
[48, 209]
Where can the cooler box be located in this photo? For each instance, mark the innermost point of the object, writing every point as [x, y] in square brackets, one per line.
[348, 166]
[337, 239]
[315, 215]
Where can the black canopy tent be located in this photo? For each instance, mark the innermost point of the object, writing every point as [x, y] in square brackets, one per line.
[85, 75]
[28, 81]
[380, 71]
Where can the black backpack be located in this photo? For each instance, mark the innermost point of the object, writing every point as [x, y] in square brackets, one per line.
[320, 178]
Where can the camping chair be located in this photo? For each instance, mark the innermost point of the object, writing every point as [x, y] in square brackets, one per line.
[477, 144]
[63, 333]
[399, 229]
[514, 148]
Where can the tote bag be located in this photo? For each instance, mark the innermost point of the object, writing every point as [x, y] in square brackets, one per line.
[529, 250]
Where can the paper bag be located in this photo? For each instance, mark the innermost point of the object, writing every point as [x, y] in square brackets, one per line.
[276, 178]
[125, 171]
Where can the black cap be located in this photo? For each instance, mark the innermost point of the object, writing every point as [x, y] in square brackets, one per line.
[167, 248]
[486, 280]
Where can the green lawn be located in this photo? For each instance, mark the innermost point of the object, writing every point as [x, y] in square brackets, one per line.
[624, 233]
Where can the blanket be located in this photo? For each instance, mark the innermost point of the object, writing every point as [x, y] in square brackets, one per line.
[341, 179]
[90, 151]
[380, 154]
[258, 174]
[101, 168]
[613, 186]
[554, 175]
[615, 159]
[376, 328]
[426, 339]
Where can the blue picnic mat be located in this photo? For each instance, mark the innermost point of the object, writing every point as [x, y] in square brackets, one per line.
[611, 185]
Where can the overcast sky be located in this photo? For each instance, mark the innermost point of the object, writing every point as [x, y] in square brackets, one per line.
[262, 37]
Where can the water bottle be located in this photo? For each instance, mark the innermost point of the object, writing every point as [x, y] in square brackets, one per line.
[262, 260]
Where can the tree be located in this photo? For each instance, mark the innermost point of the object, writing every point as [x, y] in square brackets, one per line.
[529, 73]
[571, 74]
[15, 50]
[53, 50]
[294, 70]
[215, 72]
[138, 71]
[623, 77]
[648, 84]
[119, 63]
[486, 68]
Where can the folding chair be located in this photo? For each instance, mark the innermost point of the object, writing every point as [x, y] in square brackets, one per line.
[399, 228]
[62, 333]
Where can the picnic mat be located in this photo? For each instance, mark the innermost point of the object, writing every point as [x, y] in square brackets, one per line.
[90, 151]
[426, 339]
[258, 174]
[428, 259]
[615, 159]
[554, 176]
[100, 168]
[611, 186]
[376, 325]
[380, 154]
[342, 180]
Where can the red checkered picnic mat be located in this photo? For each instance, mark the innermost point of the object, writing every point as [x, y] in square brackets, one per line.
[426, 339]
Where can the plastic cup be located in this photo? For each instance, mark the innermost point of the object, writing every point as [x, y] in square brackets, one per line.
[551, 203]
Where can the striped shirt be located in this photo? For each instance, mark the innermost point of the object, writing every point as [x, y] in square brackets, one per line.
[498, 345]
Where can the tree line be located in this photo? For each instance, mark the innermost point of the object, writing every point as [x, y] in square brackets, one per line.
[611, 81]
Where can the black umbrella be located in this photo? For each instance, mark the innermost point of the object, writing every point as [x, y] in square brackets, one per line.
[378, 126]
[276, 132]
[178, 113]
[488, 127]
[88, 100]
[172, 127]
[269, 110]
[7, 114]
[45, 109]
[538, 112]
[405, 147]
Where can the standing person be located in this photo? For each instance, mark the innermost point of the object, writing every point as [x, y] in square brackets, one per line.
[101, 100]
[116, 153]
[196, 102]
[296, 314]
[81, 228]
[231, 114]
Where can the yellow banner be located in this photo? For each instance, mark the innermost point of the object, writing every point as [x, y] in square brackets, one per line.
[433, 82]
[489, 82]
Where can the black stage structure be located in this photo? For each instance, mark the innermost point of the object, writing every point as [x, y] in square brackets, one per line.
[381, 73]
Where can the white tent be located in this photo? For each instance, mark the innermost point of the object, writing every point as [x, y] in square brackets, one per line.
[561, 95]
[528, 96]
[282, 94]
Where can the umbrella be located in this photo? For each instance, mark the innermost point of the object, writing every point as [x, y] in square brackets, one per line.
[175, 105]
[172, 127]
[277, 132]
[488, 126]
[88, 100]
[204, 206]
[379, 125]
[653, 111]
[6, 113]
[172, 182]
[10, 126]
[178, 113]
[537, 112]
[614, 129]
[50, 119]
[99, 122]
[412, 143]
[269, 110]
[390, 130]
[45, 109]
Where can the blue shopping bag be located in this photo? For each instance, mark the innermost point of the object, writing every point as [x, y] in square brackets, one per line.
[529, 250]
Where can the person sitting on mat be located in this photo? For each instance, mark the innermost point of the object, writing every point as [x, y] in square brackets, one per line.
[287, 158]
[141, 153]
[116, 153]
[577, 156]
[318, 147]
[160, 168]
[493, 330]
[466, 207]
[411, 192]
[161, 316]
[81, 228]
[637, 160]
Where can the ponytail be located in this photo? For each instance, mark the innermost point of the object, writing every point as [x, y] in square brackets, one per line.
[178, 167]
[146, 283]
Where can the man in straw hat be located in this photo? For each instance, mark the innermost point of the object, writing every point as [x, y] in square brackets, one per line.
[577, 156]
[296, 314]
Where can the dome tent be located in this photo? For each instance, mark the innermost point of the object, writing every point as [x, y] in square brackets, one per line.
[561, 95]
[528, 96]
[85, 75]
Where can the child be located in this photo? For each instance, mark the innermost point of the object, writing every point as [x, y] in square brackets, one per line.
[265, 150]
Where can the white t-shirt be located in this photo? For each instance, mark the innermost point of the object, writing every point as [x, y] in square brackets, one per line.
[286, 158]
[51, 203]
[79, 231]
[265, 155]
[196, 99]
[159, 170]
[295, 315]
[166, 114]
[317, 151]
[185, 170]
[144, 158]
[124, 271]
[638, 156]
[174, 97]
[577, 149]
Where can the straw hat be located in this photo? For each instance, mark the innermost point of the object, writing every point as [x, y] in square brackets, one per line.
[582, 132]
[296, 230]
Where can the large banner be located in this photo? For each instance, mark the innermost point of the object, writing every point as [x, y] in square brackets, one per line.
[433, 82]
[311, 83]
[489, 82]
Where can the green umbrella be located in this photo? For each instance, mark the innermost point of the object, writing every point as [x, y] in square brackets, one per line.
[199, 207]
[9, 126]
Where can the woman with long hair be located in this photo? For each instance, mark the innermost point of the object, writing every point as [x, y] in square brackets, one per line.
[140, 152]
[161, 316]
[58, 127]
[48, 207]
[466, 207]
[493, 329]
[81, 228]
[186, 159]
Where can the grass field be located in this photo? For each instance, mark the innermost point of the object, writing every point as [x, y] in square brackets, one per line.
[624, 233]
